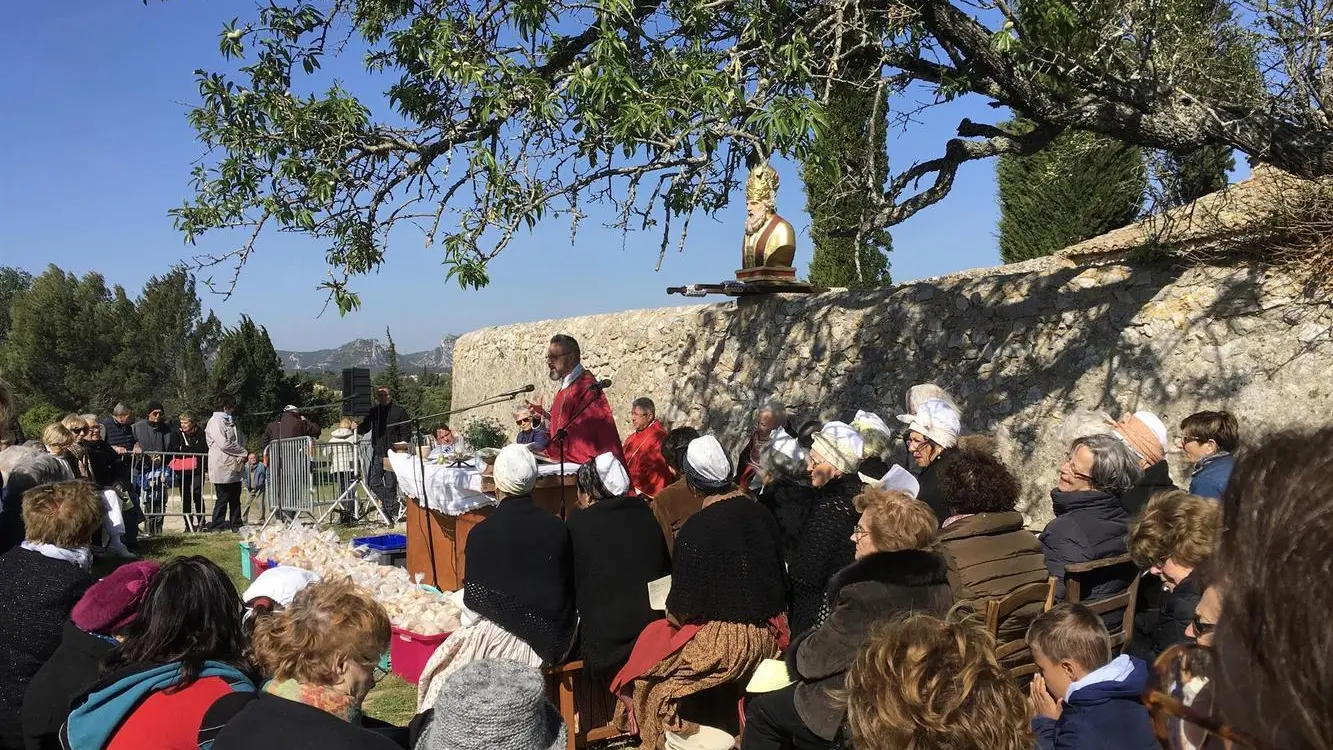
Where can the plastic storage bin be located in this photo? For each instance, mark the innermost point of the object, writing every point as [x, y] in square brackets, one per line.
[247, 555]
[409, 652]
[385, 549]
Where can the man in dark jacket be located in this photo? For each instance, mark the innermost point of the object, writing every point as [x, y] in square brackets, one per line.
[386, 424]
[152, 435]
[291, 424]
[118, 432]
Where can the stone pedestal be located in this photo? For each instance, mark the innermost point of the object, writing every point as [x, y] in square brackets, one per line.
[767, 275]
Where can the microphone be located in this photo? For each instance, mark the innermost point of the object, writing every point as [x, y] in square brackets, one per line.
[525, 389]
[601, 384]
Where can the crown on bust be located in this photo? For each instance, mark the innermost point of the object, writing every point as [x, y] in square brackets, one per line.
[762, 187]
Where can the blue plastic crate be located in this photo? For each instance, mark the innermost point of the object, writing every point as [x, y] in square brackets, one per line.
[383, 542]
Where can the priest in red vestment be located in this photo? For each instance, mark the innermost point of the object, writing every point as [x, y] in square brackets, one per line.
[590, 432]
[648, 470]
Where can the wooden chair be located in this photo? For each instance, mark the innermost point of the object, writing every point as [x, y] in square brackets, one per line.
[1080, 578]
[587, 713]
[1015, 654]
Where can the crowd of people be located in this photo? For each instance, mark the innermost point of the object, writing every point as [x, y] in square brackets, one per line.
[826, 587]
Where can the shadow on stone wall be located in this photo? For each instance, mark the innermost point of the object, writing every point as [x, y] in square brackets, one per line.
[1020, 348]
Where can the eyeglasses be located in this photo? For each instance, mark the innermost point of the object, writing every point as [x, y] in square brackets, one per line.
[1069, 461]
[858, 532]
[1201, 628]
[523, 421]
[1180, 697]
[554, 357]
[79, 430]
[915, 443]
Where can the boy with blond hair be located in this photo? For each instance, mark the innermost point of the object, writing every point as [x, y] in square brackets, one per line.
[1083, 699]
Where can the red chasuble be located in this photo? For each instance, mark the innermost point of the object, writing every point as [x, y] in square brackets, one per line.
[648, 472]
[590, 434]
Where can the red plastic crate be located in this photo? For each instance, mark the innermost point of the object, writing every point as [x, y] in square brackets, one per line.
[409, 652]
[258, 565]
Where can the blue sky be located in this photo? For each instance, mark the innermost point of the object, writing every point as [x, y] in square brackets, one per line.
[95, 148]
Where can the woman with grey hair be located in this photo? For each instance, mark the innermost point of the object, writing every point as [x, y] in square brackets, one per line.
[1089, 522]
[22, 469]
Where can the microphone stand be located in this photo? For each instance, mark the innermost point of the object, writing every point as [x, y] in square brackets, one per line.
[563, 432]
[416, 430]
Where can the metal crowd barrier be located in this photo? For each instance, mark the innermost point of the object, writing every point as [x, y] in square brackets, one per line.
[339, 474]
[169, 485]
[305, 478]
[290, 490]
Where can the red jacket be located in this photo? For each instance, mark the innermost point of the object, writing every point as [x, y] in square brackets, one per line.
[648, 471]
[590, 434]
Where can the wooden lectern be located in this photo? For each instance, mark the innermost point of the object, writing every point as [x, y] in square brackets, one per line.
[436, 542]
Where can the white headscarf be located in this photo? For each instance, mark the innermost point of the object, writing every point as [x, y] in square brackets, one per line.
[706, 463]
[515, 470]
[871, 421]
[784, 453]
[901, 480]
[612, 473]
[920, 394]
[840, 445]
[280, 583]
[937, 421]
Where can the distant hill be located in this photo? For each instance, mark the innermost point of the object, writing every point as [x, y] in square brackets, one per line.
[370, 353]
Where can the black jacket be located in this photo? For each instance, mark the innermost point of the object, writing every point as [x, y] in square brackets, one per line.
[268, 721]
[105, 462]
[70, 671]
[519, 574]
[618, 549]
[727, 565]
[930, 492]
[871, 590]
[1088, 526]
[377, 424]
[153, 437]
[38, 593]
[1156, 478]
[1156, 630]
[118, 435]
[824, 547]
[290, 425]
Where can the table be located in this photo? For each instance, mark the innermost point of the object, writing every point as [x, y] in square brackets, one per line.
[459, 498]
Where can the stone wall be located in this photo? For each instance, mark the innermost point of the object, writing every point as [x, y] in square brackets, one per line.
[1019, 346]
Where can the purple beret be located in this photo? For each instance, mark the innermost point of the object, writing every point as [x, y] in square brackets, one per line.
[113, 602]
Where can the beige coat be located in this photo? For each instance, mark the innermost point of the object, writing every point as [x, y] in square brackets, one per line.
[226, 453]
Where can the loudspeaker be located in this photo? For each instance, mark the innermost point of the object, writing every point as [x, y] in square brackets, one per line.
[356, 392]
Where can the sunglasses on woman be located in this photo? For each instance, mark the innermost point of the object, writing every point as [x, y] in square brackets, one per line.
[1179, 697]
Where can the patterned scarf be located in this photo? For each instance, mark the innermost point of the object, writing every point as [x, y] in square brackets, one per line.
[325, 698]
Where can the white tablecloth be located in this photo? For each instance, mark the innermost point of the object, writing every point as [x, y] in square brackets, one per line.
[452, 490]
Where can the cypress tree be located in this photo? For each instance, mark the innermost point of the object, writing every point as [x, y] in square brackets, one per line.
[1079, 186]
[847, 161]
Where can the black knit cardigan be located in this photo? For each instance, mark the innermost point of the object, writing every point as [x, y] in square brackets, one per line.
[519, 574]
[727, 565]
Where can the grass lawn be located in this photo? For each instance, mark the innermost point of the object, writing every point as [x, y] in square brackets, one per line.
[392, 700]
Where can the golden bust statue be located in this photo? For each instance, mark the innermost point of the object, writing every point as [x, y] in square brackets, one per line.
[770, 240]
